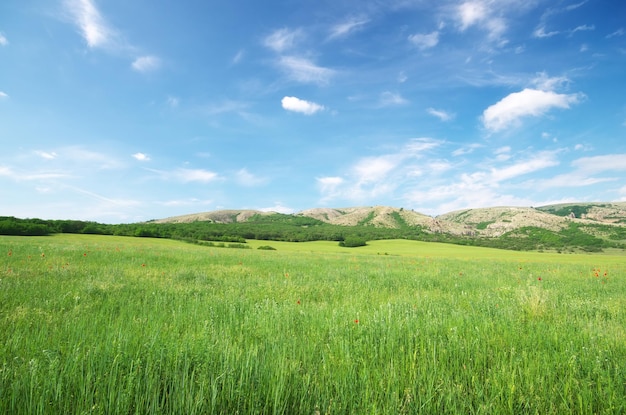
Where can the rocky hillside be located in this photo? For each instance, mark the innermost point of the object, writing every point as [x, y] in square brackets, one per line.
[217, 216]
[483, 222]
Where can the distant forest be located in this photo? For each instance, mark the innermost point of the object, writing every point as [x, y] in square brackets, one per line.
[280, 227]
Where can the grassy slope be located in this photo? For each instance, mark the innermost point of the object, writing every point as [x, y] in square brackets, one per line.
[92, 324]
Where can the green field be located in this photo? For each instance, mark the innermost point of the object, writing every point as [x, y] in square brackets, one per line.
[114, 325]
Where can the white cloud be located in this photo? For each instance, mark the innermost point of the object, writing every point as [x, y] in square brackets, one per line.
[471, 12]
[467, 149]
[329, 187]
[303, 70]
[388, 98]
[425, 41]
[46, 155]
[279, 208]
[351, 25]
[537, 162]
[245, 178]
[528, 102]
[373, 169]
[3, 40]
[441, 114]
[282, 40]
[173, 102]
[618, 32]
[374, 176]
[146, 63]
[238, 57]
[545, 83]
[480, 13]
[3, 95]
[597, 164]
[582, 28]
[299, 105]
[195, 175]
[92, 25]
[141, 157]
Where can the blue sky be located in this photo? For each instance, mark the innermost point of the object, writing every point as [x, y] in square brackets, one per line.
[124, 111]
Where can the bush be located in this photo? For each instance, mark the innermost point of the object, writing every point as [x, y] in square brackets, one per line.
[353, 242]
[267, 248]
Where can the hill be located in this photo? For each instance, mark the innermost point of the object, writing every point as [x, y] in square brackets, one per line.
[563, 227]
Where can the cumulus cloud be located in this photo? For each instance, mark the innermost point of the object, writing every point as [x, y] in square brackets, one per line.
[345, 28]
[141, 157]
[529, 102]
[425, 41]
[146, 63]
[303, 70]
[300, 105]
[441, 114]
[283, 39]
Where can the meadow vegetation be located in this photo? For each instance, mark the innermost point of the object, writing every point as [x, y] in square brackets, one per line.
[104, 324]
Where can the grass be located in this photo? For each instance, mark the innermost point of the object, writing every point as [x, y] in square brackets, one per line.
[100, 325]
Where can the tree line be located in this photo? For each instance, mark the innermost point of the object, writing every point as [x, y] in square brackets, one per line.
[290, 228]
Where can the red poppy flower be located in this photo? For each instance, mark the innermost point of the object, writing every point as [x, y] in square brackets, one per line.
[356, 321]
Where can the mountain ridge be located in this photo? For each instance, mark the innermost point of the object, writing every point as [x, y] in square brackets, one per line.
[482, 222]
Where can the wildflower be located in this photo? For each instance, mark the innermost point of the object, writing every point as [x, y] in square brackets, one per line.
[298, 301]
[10, 253]
[356, 321]
[143, 265]
[539, 279]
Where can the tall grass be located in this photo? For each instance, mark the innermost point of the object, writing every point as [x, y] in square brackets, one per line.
[108, 325]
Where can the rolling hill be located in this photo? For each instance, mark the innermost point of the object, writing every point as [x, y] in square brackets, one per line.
[481, 222]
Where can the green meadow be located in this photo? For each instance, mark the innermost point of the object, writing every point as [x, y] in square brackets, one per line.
[117, 325]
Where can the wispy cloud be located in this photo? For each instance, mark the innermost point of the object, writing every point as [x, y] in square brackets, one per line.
[146, 63]
[245, 178]
[283, 39]
[346, 27]
[302, 106]
[305, 71]
[540, 32]
[187, 175]
[3, 40]
[3, 95]
[388, 98]
[618, 32]
[441, 114]
[98, 33]
[31, 174]
[47, 155]
[375, 176]
[173, 102]
[527, 103]
[93, 27]
[425, 41]
[482, 14]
